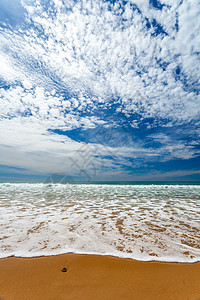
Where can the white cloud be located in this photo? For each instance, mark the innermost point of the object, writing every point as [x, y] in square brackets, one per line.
[87, 49]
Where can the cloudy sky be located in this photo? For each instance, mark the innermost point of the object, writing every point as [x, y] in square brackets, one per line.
[100, 90]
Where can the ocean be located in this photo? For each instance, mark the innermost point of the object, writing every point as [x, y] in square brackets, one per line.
[147, 222]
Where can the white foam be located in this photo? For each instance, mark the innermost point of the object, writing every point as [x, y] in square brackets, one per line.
[142, 222]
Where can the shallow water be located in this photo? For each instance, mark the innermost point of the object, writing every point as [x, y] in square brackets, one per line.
[144, 222]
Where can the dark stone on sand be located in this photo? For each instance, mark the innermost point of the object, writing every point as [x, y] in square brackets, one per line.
[64, 270]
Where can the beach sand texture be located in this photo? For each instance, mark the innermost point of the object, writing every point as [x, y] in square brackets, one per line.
[96, 277]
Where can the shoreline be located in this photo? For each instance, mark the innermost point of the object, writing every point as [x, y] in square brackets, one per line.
[152, 259]
[96, 277]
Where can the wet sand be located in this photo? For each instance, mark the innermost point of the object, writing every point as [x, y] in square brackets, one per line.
[96, 277]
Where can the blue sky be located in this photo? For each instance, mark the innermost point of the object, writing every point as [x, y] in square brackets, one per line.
[100, 90]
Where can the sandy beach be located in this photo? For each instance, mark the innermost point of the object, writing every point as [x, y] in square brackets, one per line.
[96, 277]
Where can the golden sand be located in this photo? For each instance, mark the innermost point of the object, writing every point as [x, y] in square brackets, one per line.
[96, 277]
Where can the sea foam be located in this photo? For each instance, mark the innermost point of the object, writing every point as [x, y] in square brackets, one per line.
[143, 222]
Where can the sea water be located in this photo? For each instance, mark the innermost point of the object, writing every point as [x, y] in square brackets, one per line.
[143, 222]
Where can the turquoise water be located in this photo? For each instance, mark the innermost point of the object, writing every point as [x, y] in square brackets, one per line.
[63, 181]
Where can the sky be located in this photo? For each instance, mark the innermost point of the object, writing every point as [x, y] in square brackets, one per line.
[100, 90]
